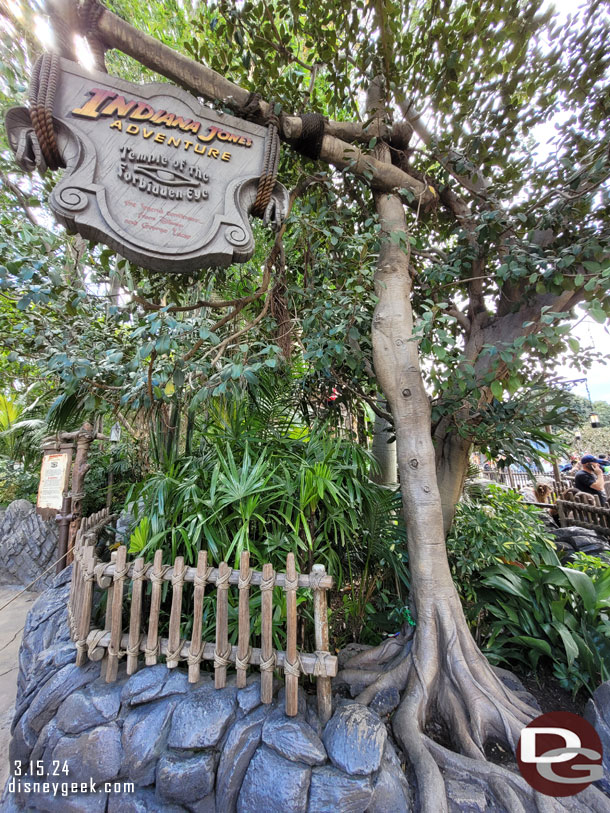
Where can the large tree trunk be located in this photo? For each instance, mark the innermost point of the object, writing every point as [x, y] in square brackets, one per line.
[441, 670]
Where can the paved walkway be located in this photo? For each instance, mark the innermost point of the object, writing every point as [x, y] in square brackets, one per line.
[12, 619]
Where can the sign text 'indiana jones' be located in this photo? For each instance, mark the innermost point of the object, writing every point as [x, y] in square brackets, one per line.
[165, 181]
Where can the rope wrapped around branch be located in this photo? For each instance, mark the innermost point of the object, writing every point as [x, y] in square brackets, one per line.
[268, 584]
[93, 641]
[134, 651]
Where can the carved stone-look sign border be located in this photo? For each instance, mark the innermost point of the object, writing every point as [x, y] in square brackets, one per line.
[150, 172]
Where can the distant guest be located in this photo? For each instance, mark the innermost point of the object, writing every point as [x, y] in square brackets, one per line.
[590, 478]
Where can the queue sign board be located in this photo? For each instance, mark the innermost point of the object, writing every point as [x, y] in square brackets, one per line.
[150, 172]
[53, 480]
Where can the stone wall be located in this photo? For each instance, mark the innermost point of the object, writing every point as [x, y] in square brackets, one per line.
[187, 747]
[28, 545]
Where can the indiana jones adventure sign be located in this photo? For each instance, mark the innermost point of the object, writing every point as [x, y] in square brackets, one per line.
[161, 179]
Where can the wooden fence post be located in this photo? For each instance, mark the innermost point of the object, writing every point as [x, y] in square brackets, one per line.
[152, 640]
[196, 648]
[267, 654]
[116, 628]
[133, 647]
[84, 621]
[173, 641]
[243, 640]
[222, 653]
[320, 614]
[291, 664]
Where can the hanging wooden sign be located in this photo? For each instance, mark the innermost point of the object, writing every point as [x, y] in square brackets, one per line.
[150, 172]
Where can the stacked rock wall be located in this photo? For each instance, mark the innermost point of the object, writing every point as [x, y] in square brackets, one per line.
[186, 747]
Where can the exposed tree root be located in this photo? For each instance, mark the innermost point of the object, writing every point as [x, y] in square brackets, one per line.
[446, 677]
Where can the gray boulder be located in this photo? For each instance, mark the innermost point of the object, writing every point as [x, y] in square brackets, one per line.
[355, 738]
[186, 779]
[144, 737]
[95, 755]
[240, 744]
[332, 790]
[202, 718]
[293, 738]
[274, 785]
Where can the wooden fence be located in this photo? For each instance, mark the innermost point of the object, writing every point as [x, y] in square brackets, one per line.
[584, 510]
[111, 642]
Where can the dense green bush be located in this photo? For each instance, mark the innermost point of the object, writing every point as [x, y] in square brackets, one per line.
[492, 526]
[266, 482]
[546, 610]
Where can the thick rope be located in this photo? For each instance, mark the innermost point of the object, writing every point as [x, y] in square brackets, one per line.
[268, 175]
[174, 655]
[159, 578]
[319, 667]
[243, 663]
[291, 584]
[242, 584]
[152, 652]
[309, 143]
[268, 665]
[93, 641]
[201, 581]
[268, 584]
[293, 668]
[222, 658]
[194, 656]
[222, 582]
[134, 651]
[43, 88]
[315, 580]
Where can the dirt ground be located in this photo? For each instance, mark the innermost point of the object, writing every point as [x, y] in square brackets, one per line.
[12, 619]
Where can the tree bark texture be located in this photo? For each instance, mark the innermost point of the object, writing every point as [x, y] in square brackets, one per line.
[441, 670]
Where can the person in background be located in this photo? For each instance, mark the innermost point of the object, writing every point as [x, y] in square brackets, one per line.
[590, 478]
[604, 463]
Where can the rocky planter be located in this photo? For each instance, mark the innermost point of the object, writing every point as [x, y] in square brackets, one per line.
[185, 747]
[28, 545]
[190, 747]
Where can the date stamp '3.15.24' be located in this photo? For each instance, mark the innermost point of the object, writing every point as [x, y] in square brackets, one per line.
[53, 779]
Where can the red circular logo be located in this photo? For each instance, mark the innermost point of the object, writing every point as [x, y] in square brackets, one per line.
[560, 754]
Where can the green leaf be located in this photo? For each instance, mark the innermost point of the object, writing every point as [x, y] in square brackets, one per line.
[497, 389]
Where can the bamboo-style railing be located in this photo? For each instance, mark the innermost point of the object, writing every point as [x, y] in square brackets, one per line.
[112, 642]
[583, 510]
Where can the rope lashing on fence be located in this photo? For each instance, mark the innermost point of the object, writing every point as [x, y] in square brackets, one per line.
[134, 650]
[222, 658]
[319, 669]
[245, 582]
[222, 582]
[93, 643]
[268, 665]
[243, 663]
[268, 584]
[315, 580]
[159, 578]
[291, 584]
[295, 668]
[201, 581]
[151, 651]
